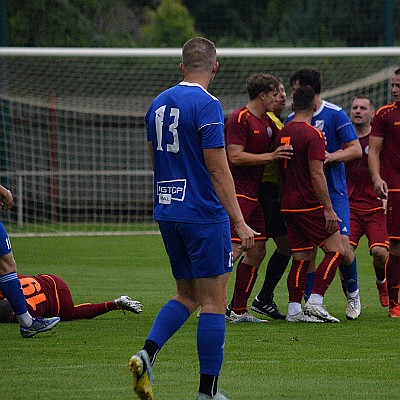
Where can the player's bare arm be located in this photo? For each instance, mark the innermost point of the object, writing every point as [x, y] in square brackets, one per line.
[351, 151]
[321, 190]
[151, 151]
[6, 199]
[374, 165]
[221, 177]
[237, 156]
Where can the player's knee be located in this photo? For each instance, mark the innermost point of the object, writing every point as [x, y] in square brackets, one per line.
[7, 264]
[379, 254]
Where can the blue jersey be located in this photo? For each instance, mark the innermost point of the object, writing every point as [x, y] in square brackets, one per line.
[5, 244]
[338, 130]
[180, 123]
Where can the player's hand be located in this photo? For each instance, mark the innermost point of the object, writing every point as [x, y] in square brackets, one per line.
[331, 158]
[246, 235]
[284, 152]
[331, 220]
[381, 188]
[6, 199]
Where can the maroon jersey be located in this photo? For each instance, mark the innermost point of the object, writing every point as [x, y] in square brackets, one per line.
[256, 135]
[47, 295]
[386, 125]
[360, 188]
[308, 144]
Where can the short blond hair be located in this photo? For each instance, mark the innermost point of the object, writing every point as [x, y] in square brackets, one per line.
[199, 54]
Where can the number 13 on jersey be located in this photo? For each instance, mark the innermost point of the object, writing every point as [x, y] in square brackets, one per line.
[172, 128]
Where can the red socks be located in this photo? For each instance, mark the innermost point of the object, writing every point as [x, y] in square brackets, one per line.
[246, 276]
[326, 272]
[296, 281]
[393, 279]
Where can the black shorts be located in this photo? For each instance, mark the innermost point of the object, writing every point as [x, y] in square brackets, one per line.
[269, 196]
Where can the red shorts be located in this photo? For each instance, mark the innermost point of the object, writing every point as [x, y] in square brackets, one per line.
[306, 229]
[253, 216]
[393, 214]
[372, 224]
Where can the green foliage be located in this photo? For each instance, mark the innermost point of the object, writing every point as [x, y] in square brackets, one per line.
[170, 25]
[87, 359]
[69, 23]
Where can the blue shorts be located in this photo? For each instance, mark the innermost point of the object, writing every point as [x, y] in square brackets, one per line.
[5, 244]
[197, 250]
[342, 209]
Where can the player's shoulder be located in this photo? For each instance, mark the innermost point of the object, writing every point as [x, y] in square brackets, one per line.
[275, 120]
[388, 108]
[240, 115]
[314, 130]
[331, 107]
[196, 89]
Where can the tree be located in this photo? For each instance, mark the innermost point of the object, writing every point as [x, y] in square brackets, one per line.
[71, 23]
[170, 25]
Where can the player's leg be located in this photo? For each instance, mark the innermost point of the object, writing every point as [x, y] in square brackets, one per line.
[348, 267]
[302, 247]
[246, 275]
[211, 284]
[378, 243]
[295, 283]
[393, 277]
[276, 266]
[310, 274]
[92, 310]
[211, 331]
[11, 288]
[247, 268]
[270, 200]
[324, 276]
[393, 260]
[379, 255]
[170, 317]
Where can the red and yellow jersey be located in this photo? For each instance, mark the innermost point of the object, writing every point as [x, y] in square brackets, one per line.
[256, 135]
[271, 170]
[308, 144]
[386, 125]
[361, 191]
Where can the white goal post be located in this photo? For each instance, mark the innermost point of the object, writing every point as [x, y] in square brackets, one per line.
[72, 138]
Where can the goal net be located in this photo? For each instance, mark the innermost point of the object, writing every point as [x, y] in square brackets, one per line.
[72, 137]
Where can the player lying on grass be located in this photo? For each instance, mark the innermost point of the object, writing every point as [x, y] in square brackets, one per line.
[48, 294]
[10, 286]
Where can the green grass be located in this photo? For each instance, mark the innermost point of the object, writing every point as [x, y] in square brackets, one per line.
[88, 359]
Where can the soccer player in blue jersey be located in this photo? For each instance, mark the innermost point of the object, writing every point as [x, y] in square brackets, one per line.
[341, 145]
[194, 197]
[10, 285]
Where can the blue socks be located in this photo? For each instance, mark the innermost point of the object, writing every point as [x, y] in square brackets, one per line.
[309, 285]
[10, 286]
[210, 342]
[169, 319]
[210, 335]
[350, 276]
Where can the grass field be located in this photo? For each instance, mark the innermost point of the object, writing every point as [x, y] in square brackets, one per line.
[88, 359]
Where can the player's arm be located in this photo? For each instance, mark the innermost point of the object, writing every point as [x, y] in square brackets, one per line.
[151, 151]
[351, 151]
[221, 178]
[321, 190]
[374, 165]
[238, 157]
[6, 199]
